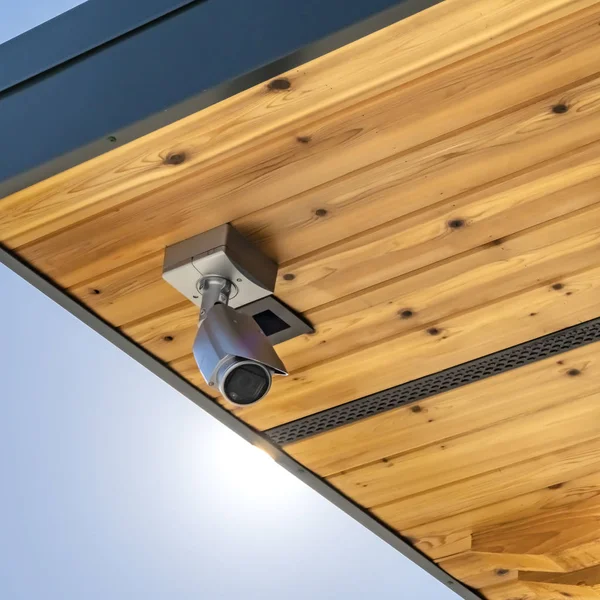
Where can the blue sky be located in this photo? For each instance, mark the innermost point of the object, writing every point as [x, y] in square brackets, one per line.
[115, 486]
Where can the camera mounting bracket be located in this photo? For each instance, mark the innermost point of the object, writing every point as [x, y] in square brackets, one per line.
[214, 290]
[224, 253]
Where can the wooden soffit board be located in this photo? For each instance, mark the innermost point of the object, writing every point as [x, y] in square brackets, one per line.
[431, 193]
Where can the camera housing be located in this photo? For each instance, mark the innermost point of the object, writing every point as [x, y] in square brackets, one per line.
[234, 355]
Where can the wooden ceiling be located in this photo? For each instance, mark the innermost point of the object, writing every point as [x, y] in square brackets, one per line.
[432, 194]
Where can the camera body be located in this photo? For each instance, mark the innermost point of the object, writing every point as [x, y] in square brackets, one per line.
[234, 355]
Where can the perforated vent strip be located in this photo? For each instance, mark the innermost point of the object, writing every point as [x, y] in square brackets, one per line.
[443, 381]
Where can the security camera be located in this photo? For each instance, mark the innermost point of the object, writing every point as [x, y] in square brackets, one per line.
[232, 282]
[234, 355]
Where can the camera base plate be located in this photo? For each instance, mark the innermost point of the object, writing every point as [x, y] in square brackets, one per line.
[221, 252]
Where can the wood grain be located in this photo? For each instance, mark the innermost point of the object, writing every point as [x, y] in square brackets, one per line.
[431, 40]
[565, 424]
[453, 341]
[589, 577]
[483, 569]
[452, 535]
[130, 293]
[548, 531]
[492, 489]
[512, 395]
[427, 174]
[478, 155]
[500, 268]
[546, 192]
[524, 590]
[581, 556]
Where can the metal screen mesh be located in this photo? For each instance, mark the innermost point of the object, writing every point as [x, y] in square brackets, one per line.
[443, 381]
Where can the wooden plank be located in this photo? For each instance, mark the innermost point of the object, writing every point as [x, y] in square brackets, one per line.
[474, 407]
[169, 334]
[564, 424]
[548, 531]
[483, 569]
[453, 341]
[430, 40]
[580, 556]
[589, 577]
[130, 293]
[492, 488]
[520, 590]
[549, 191]
[276, 172]
[428, 174]
[447, 536]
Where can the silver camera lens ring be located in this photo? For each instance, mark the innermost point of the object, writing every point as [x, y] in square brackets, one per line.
[230, 368]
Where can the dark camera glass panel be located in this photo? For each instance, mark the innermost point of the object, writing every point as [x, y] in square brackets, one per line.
[246, 384]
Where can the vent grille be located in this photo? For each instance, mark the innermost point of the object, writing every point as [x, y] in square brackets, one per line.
[443, 381]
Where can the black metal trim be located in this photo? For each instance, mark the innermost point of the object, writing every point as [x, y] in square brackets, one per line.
[75, 32]
[163, 71]
[228, 419]
[438, 383]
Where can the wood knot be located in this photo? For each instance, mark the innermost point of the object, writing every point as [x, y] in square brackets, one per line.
[175, 159]
[557, 286]
[416, 409]
[304, 139]
[555, 486]
[433, 331]
[321, 212]
[289, 277]
[406, 313]
[456, 223]
[560, 109]
[95, 291]
[168, 338]
[279, 84]
[502, 572]
[573, 372]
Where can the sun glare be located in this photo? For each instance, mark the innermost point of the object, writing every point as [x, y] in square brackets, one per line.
[252, 468]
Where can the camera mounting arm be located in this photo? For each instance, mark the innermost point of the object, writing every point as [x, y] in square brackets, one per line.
[214, 290]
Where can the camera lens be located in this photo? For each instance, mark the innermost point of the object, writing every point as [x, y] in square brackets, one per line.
[247, 383]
